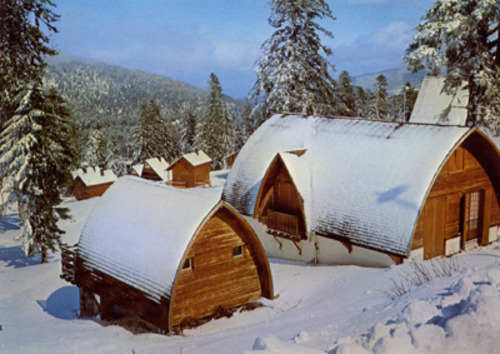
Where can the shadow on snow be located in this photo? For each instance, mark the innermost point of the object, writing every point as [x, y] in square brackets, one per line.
[15, 257]
[62, 303]
[10, 222]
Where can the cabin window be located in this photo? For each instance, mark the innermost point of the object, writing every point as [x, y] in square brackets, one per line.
[188, 263]
[238, 251]
[456, 161]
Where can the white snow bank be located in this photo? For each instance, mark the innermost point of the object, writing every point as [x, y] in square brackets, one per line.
[469, 323]
[272, 345]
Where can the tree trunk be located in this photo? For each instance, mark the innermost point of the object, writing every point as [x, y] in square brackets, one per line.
[88, 303]
[45, 258]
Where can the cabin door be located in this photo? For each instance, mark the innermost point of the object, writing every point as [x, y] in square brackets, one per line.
[473, 217]
[434, 227]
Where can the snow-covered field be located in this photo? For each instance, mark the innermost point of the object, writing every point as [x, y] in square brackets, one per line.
[320, 309]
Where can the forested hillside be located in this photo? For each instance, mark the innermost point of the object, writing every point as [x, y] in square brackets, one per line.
[108, 99]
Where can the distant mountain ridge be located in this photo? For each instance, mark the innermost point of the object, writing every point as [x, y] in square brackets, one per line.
[103, 92]
[396, 79]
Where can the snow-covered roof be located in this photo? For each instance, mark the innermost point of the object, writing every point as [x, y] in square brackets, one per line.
[138, 169]
[139, 230]
[93, 176]
[159, 166]
[437, 107]
[360, 179]
[194, 158]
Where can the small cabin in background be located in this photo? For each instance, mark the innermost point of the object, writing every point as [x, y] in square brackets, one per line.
[152, 169]
[190, 170]
[354, 191]
[91, 182]
[231, 158]
[183, 258]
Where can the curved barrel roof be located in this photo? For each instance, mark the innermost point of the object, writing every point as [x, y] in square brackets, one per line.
[139, 230]
[367, 179]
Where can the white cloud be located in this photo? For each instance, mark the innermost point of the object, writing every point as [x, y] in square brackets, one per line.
[381, 50]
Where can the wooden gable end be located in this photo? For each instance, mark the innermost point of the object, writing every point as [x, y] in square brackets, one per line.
[279, 204]
[185, 175]
[225, 265]
[463, 201]
[149, 173]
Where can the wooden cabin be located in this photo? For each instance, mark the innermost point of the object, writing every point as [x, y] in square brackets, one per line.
[190, 170]
[167, 255]
[152, 169]
[353, 191]
[91, 182]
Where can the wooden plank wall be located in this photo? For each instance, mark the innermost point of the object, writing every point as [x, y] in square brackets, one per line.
[183, 171]
[89, 192]
[202, 173]
[216, 278]
[451, 184]
[285, 197]
[127, 297]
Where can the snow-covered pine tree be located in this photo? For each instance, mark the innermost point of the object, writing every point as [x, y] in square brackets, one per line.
[463, 36]
[114, 160]
[346, 96]
[36, 157]
[23, 47]
[171, 144]
[293, 75]
[382, 106]
[95, 149]
[188, 130]
[215, 132]
[152, 131]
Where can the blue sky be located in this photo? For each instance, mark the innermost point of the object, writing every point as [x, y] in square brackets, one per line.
[188, 39]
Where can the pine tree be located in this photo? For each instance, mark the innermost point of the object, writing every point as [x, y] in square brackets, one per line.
[463, 36]
[36, 157]
[382, 106]
[216, 133]
[293, 75]
[114, 161]
[156, 137]
[188, 131]
[23, 47]
[96, 149]
[346, 96]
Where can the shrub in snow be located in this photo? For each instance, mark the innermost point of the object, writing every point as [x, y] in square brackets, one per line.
[420, 274]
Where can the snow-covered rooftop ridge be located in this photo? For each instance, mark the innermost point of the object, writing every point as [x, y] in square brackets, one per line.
[196, 158]
[435, 106]
[366, 180]
[159, 165]
[92, 176]
[139, 230]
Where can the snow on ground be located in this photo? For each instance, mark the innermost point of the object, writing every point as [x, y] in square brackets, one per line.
[320, 309]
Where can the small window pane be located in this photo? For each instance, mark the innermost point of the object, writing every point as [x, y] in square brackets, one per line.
[187, 264]
[238, 251]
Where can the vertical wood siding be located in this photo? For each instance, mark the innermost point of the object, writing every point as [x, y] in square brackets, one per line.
[442, 216]
[192, 176]
[217, 278]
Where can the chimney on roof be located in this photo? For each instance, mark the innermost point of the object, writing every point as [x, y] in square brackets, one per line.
[102, 171]
[93, 168]
[197, 151]
[84, 169]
